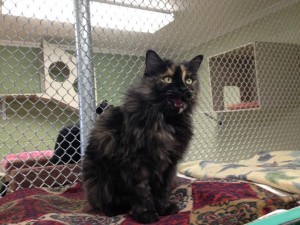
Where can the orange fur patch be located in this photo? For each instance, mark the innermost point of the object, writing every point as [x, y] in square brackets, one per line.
[184, 73]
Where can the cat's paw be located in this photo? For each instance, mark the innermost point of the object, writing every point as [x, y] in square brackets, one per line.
[146, 217]
[171, 208]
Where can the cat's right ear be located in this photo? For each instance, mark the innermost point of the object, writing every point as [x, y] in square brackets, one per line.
[153, 63]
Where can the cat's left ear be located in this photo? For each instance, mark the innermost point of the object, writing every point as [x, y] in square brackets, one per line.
[154, 64]
[195, 63]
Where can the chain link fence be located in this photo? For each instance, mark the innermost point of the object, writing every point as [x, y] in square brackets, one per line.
[54, 54]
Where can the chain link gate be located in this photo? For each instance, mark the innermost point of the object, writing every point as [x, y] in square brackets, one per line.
[249, 79]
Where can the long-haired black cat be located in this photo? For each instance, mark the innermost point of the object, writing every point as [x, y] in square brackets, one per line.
[132, 151]
[67, 145]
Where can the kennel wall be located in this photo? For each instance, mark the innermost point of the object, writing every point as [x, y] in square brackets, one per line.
[249, 79]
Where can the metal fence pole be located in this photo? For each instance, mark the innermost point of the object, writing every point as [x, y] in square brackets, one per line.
[86, 87]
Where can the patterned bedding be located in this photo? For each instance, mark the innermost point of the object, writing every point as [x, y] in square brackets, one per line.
[208, 202]
[278, 169]
[222, 195]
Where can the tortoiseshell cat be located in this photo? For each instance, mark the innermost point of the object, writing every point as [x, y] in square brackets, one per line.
[133, 149]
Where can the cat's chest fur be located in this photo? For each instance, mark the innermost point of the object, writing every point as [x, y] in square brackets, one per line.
[160, 139]
[163, 135]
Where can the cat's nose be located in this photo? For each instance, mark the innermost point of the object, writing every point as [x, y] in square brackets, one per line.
[183, 88]
[188, 94]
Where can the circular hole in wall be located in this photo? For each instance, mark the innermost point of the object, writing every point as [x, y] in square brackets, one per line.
[75, 85]
[59, 71]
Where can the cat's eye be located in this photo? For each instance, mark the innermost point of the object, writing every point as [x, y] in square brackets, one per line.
[188, 81]
[168, 80]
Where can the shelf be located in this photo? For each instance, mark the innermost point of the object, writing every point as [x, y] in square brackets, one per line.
[38, 97]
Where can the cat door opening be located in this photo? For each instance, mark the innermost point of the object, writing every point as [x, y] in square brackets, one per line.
[232, 96]
[59, 71]
[75, 85]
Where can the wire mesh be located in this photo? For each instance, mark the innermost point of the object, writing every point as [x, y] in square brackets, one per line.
[249, 79]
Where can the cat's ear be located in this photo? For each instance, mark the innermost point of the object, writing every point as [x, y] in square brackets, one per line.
[195, 63]
[153, 63]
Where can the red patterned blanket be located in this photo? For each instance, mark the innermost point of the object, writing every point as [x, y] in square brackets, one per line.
[200, 202]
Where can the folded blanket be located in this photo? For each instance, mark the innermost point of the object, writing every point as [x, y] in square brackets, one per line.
[278, 169]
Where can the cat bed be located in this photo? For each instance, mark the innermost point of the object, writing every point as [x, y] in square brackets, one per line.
[33, 169]
[200, 202]
[243, 105]
[16, 159]
[277, 169]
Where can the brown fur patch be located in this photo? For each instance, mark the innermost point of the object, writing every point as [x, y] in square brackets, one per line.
[170, 71]
[184, 72]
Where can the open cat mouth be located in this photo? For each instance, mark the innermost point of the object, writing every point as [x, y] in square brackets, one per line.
[178, 103]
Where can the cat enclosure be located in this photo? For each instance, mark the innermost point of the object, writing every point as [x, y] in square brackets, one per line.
[59, 59]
